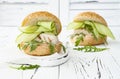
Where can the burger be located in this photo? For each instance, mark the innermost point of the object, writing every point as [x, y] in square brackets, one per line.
[39, 35]
[89, 29]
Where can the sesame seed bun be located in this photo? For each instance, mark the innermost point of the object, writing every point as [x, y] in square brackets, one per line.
[89, 38]
[42, 50]
[90, 16]
[33, 18]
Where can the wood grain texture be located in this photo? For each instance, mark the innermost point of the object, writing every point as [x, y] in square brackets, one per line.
[103, 65]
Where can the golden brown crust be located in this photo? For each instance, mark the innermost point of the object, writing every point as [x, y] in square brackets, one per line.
[42, 50]
[92, 16]
[89, 40]
[33, 18]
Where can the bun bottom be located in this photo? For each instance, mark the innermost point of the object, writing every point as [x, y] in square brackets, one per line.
[43, 49]
[89, 41]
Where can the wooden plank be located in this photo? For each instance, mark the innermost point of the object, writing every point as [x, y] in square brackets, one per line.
[90, 66]
[95, 0]
[6, 72]
[9, 10]
[114, 45]
[26, 1]
[93, 65]
[67, 71]
[46, 73]
[96, 6]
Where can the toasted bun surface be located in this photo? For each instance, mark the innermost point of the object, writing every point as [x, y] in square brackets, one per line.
[42, 50]
[33, 18]
[89, 39]
[92, 16]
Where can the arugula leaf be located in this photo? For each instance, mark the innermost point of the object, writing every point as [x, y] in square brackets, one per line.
[32, 47]
[26, 67]
[79, 39]
[19, 46]
[64, 49]
[90, 49]
[91, 28]
[52, 48]
[73, 35]
[95, 32]
[32, 44]
[25, 46]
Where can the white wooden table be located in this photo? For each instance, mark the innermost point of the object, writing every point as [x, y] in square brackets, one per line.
[104, 65]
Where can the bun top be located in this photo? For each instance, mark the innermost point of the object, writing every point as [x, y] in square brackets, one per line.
[92, 16]
[33, 18]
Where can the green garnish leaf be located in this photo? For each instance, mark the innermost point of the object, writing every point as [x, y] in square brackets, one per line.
[75, 25]
[90, 49]
[52, 48]
[19, 46]
[63, 47]
[32, 44]
[79, 39]
[25, 46]
[26, 67]
[90, 27]
[33, 47]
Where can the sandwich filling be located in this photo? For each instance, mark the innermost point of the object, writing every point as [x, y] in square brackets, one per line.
[89, 28]
[41, 33]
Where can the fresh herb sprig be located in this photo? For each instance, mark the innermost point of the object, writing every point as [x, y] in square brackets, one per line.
[52, 48]
[90, 49]
[26, 67]
[90, 27]
[63, 47]
[79, 39]
[32, 44]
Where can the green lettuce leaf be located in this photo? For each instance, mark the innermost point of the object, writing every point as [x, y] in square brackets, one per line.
[75, 25]
[102, 29]
[94, 31]
[24, 37]
[31, 32]
[28, 29]
[48, 27]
